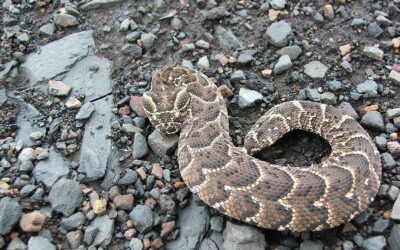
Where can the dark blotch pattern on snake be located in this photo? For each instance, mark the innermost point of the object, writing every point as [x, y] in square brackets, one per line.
[230, 180]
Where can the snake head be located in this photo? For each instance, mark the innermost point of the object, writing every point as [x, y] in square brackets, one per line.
[166, 107]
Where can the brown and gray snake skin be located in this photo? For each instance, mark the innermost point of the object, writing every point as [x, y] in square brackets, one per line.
[235, 183]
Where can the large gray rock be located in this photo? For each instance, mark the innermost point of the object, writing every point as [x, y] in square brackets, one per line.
[90, 77]
[40, 243]
[248, 98]
[148, 40]
[368, 87]
[57, 57]
[313, 95]
[16, 244]
[394, 238]
[85, 111]
[391, 113]
[74, 221]
[315, 69]
[96, 149]
[395, 215]
[374, 243]
[162, 144]
[243, 237]
[192, 233]
[50, 170]
[373, 120]
[104, 226]
[279, 33]
[65, 196]
[135, 244]
[94, 4]
[10, 211]
[311, 245]
[27, 122]
[347, 109]
[293, 51]
[142, 218]
[226, 39]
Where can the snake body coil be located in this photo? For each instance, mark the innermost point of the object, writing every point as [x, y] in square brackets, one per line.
[235, 183]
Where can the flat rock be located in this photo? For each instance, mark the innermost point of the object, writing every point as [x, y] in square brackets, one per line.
[190, 234]
[40, 243]
[243, 237]
[74, 221]
[334, 85]
[311, 245]
[27, 122]
[248, 98]
[142, 218]
[16, 244]
[313, 95]
[279, 33]
[315, 69]
[391, 113]
[148, 40]
[132, 50]
[57, 57]
[394, 238]
[90, 77]
[65, 196]
[238, 75]
[395, 215]
[374, 243]
[226, 39]
[105, 228]
[373, 120]
[59, 88]
[10, 211]
[96, 148]
[85, 111]
[162, 144]
[94, 4]
[51, 169]
[47, 29]
[65, 20]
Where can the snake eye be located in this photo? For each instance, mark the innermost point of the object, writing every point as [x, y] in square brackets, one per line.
[148, 103]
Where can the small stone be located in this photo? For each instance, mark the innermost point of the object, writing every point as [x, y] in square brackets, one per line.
[248, 98]
[162, 144]
[65, 20]
[279, 33]
[395, 76]
[216, 223]
[347, 66]
[387, 161]
[383, 21]
[203, 63]
[273, 14]
[374, 243]
[141, 173]
[374, 30]
[36, 136]
[100, 206]
[226, 92]
[311, 245]
[202, 44]
[394, 238]
[139, 148]
[394, 148]
[65, 196]
[318, 17]
[315, 69]
[373, 120]
[137, 106]
[329, 13]
[176, 23]
[124, 202]
[157, 171]
[267, 73]
[32, 222]
[85, 111]
[292, 51]
[391, 113]
[334, 85]
[40, 243]
[368, 87]
[278, 4]
[132, 50]
[380, 226]
[345, 49]
[223, 60]
[73, 103]
[59, 88]
[373, 107]
[167, 228]
[284, 63]
[27, 154]
[142, 218]
[373, 53]
[357, 22]
[328, 98]
[10, 212]
[188, 47]
[393, 192]
[246, 57]
[313, 95]
[74, 238]
[243, 237]
[135, 244]
[238, 76]
[47, 30]
[74, 221]
[16, 244]
[148, 40]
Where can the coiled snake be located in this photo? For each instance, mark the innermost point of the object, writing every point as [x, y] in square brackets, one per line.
[235, 183]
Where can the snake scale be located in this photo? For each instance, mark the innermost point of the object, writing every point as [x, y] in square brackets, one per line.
[232, 181]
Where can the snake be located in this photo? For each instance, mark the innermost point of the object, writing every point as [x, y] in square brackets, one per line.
[233, 181]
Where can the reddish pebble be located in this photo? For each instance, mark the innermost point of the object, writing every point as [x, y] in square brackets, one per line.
[396, 67]
[124, 202]
[157, 243]
[124, 110]
[167, 228]
[32, 222]
[137, 106]
[72, 134]
[225, 91]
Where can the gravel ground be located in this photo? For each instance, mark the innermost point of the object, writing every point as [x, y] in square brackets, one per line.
[82, 168]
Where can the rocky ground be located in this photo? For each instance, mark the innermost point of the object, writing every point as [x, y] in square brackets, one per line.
[82, 168]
